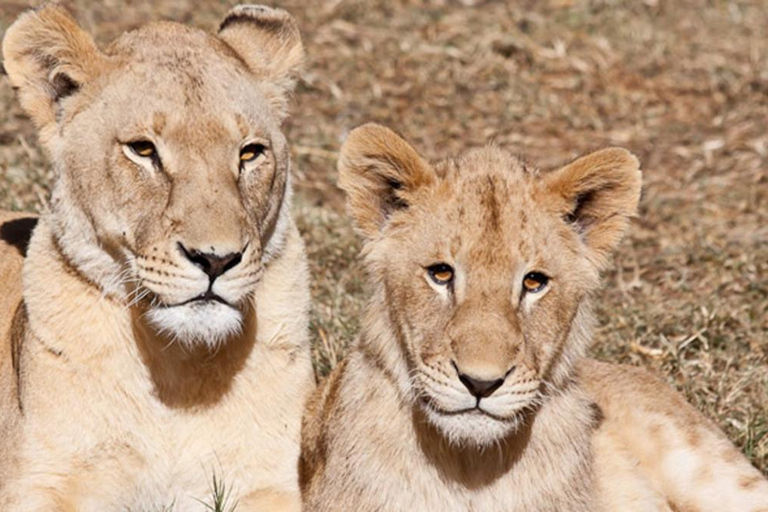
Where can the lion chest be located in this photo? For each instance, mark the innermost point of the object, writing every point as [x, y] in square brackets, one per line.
[378, 460]
[118, 446]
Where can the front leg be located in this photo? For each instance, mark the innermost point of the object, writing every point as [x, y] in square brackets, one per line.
[669, 445]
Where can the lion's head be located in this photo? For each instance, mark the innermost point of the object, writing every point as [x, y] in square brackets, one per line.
[484, 267]
[171, 170]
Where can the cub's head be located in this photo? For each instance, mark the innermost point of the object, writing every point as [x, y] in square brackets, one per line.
[484, 267]
[171, 170]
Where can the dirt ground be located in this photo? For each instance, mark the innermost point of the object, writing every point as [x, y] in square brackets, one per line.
[683, 84]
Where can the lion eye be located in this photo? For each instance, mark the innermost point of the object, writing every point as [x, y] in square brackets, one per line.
[251, 152]
[534, 282]
[441, 274]
[143, 148]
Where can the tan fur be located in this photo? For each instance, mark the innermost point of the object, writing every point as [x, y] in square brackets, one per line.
[394, 428]
[118, 393]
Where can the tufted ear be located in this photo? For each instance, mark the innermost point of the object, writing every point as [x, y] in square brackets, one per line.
[48, 58]
[269, 42]
[598, 195]
[379, 171]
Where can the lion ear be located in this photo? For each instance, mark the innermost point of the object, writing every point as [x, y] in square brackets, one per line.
[269, 42]
[598, 194]
[379, 171]
[48, 57]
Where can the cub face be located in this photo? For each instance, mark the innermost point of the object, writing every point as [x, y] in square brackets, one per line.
[171, 167]
[485, 266]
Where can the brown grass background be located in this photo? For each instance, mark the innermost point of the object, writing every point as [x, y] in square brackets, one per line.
[682, 83]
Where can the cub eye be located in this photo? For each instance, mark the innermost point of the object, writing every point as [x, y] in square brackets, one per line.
[143, 148]
[534, 282]
[251, 152]
[441, 273]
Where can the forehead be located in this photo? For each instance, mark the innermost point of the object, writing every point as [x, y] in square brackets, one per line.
[486, 211]
[183, 76]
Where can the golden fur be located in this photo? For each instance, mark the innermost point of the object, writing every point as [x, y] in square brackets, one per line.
[156, 335]
[410, 420]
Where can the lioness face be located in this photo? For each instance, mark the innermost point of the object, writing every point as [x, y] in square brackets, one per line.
[485, 265]
[172, 167]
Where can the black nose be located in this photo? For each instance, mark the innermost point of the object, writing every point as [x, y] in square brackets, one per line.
[212, 264]
[480, 388]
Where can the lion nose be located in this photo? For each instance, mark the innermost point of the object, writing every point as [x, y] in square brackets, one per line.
[212, 264]
[480, 388]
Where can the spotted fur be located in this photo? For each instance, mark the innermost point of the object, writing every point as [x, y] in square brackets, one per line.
[396, 428]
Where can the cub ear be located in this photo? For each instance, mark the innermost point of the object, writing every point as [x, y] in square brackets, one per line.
[47, 58]
[379, 171]
[598, 195]
[269, 42]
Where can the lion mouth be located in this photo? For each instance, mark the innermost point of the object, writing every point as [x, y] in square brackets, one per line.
[205, 298]
[476, 411]
[206, 319]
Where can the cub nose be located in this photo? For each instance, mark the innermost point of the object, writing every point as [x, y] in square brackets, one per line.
[212, 264]
[480, 388]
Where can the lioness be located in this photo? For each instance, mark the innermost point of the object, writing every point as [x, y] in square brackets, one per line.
[161, 340]
[468, 388]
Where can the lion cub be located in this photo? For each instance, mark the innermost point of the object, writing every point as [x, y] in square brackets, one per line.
[156, 337]
[468, 388]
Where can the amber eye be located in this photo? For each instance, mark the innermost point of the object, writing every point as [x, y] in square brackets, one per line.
[143, 148]
[441, 273]
[251, 152]
[534, 282]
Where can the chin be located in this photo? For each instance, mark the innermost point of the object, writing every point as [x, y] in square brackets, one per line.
[472, 428]
[207, 323]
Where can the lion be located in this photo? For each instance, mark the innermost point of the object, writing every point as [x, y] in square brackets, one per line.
[154, 318]
[469, 387]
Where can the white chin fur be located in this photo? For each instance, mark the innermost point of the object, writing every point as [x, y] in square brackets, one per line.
[471, 428]
[196, 324]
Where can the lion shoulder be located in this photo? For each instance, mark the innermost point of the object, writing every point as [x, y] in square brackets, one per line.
[316, 426]
[15, 232]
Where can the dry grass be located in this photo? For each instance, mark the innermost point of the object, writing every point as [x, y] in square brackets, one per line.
[682, 83]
